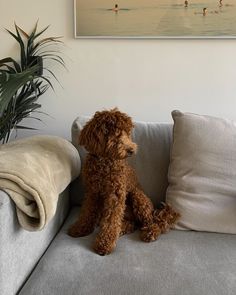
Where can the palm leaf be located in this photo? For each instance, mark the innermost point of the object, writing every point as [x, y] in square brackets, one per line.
[24, 127]
[9, 84]
[48, 42]
[10, 69]
[49, 82]
[41, 32]
[22, 84]
[10, 60]
[34, 31]
[22, 49]
[13, 35]
[22, 31]
[31, 39]
[61, 62]
[53, 75]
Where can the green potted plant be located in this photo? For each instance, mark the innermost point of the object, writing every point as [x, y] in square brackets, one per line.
[22, 83]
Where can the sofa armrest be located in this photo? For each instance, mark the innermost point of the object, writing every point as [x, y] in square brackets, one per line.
[20, 250]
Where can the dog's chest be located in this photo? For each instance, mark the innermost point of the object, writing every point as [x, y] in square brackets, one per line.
[100, 171]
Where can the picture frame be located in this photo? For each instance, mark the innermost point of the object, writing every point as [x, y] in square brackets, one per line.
[155, 19]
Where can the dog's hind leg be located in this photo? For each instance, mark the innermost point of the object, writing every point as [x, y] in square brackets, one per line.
[127, 227]
[128, 224]
[143, 211]
[142, 207]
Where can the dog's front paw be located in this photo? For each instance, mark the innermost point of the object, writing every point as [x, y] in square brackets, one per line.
[150, 233]
[76, 231]
[103, 247]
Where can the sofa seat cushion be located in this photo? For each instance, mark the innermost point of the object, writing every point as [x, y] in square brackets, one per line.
[180, 262]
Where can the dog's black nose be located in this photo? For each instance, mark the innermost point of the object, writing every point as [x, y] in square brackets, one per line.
[130, 152]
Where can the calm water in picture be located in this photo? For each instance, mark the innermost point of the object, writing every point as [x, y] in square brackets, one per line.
[137, 18]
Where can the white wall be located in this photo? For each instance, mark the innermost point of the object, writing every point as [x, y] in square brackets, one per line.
[146, 78]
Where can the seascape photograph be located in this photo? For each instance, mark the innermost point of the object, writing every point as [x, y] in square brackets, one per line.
[155, 18]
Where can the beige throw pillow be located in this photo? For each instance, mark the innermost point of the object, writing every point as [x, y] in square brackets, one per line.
[202, 173]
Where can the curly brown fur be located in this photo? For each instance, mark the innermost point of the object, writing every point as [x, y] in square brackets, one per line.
[114, 199]
[165, 217]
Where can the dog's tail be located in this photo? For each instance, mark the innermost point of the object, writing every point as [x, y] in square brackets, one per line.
[166, 217]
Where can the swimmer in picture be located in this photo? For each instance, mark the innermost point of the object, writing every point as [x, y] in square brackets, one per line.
[116, 8]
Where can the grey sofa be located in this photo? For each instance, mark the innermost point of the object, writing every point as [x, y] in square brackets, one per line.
[178, 263]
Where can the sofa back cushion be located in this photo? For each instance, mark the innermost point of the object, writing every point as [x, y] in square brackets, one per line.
[202, 173]
[150, 163]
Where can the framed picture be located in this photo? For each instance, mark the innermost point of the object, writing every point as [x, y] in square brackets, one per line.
[155, 18]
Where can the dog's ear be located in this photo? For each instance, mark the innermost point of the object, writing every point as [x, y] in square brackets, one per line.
[85, 134]
[90, 135]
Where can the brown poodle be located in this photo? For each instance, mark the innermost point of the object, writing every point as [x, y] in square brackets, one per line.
[114, 199]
